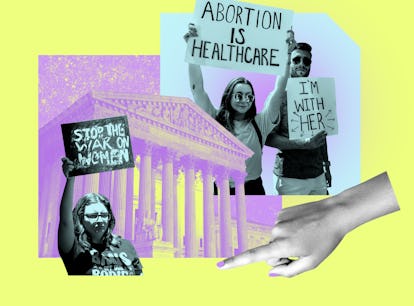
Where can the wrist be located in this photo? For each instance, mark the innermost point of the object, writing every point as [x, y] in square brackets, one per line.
[287, 72]
[340, 214]
[347, 210]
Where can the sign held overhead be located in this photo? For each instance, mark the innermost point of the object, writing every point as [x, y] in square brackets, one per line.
[98, 145]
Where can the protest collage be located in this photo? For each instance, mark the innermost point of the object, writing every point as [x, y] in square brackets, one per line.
[180, 173]
[183, 174]
[214, 145]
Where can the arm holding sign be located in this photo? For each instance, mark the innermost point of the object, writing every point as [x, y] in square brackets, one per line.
[66, 231]
[197, 88]
[310, 232]
[196, 80]
[275, 98]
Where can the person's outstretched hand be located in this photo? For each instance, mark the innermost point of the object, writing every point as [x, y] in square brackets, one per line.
[305, 235]
[305, 232]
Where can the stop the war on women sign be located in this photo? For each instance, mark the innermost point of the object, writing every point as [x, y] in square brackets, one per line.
[98, 145]
[239, 35]
[311, 106]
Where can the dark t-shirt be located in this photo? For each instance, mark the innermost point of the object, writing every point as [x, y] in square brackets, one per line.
[103, 261]
[300, 164]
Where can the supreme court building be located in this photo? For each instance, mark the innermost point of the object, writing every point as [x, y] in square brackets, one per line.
[165, 205]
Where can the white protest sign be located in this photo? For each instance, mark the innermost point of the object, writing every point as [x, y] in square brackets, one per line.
[311, 107]
[241, 36]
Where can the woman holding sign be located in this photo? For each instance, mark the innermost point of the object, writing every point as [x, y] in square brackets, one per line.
[237, 113]
[85, 239]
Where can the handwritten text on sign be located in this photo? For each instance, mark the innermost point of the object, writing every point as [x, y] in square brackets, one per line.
[311, 107]
[240, 35]
[98, 145]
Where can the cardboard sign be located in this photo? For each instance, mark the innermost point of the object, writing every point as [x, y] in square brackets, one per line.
[98, 145]
[239, 35]
[311, 107]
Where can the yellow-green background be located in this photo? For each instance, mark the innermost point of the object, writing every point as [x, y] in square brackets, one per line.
[372, 266]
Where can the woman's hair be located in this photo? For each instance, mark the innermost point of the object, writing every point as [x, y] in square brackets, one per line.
[78, 217]
[225, 115]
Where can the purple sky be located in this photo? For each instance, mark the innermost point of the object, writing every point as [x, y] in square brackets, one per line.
[64, 79]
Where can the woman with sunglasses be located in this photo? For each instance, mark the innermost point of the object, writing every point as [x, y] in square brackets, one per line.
[85, 239]
[237, 113]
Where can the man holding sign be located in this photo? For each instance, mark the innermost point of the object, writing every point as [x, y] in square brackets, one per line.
[302, 166]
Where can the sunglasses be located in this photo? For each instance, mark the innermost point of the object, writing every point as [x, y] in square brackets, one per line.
[96, 216]
[238, 96]
[305, 60]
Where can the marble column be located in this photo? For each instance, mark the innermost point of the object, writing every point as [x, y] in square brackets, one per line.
[208, 211]
[91, 183]
[191, 246]
[44, 191]
[78, 188]
[46, 196]
[154, 162]
[241, 212]
[226, 246]
[52, 192]
[145, 183]
[105, 184]
[167, 213]
[129, 206]
[119, 200]
[177, 238]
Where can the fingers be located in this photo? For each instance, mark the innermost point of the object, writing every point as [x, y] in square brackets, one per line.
[67, 166]
[67, 160]
[192, 28]
[278, 261]
[186, 37]
[293, 268]
[290, 36]
[261, 253]
[290, 40]
[192, 31]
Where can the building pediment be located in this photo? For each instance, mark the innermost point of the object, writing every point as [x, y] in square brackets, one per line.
[174, 122]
